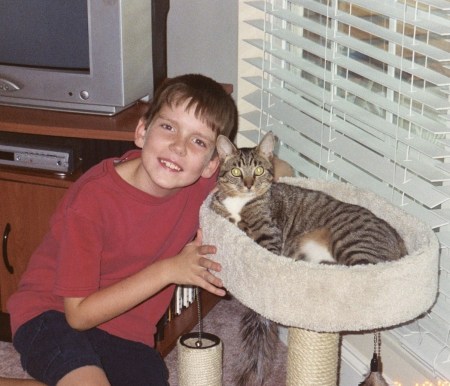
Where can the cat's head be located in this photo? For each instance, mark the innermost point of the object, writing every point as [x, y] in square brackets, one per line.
[246, 170]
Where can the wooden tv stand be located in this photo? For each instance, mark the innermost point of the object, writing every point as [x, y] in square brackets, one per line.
[30, 197]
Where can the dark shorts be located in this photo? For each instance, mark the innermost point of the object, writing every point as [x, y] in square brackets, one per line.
[49, 349]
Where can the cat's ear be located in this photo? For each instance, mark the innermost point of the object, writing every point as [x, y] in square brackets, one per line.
[267, 145]
[225, 147]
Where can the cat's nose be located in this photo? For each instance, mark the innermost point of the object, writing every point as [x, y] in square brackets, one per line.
[248, 182]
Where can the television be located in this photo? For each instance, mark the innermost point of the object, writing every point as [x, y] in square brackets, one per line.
[86, 56]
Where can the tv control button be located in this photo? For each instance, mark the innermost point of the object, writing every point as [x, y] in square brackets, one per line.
[84, 95]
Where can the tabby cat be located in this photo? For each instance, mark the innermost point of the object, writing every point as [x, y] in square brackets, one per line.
[289, 220]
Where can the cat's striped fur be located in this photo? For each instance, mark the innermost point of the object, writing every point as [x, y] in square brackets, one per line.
[295, 222]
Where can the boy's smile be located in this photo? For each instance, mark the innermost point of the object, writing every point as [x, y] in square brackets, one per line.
[171, 165]
[177, 149]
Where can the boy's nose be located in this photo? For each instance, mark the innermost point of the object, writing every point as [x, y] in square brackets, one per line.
[178, 146]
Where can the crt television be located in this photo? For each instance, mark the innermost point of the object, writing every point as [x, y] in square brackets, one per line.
[89, 56]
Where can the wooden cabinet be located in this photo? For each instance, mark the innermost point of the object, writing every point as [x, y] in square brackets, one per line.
[26, 205]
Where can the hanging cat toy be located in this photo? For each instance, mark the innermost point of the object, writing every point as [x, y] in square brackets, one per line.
[199, 355]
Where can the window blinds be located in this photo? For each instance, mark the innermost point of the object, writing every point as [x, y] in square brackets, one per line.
[358, 91]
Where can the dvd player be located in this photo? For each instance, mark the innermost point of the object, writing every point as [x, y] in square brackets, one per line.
[30, 154]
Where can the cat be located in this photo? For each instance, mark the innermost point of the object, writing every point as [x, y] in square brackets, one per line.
[295, 222]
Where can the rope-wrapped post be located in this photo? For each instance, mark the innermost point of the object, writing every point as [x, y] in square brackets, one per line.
[312, 358]
[200, 365]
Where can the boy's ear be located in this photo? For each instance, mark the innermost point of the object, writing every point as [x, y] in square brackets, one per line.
[211, 168]
[139, 133]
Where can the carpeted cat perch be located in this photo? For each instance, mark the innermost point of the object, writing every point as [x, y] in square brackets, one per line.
[318, 302]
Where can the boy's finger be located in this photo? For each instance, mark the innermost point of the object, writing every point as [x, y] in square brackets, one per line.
[210, 264]
[207, 250]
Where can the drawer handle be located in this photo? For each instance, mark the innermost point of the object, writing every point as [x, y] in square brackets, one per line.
[8, 266]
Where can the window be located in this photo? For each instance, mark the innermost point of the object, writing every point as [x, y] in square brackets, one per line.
[358, 91]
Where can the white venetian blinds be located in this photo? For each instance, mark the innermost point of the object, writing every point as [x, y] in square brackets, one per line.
[359, 91]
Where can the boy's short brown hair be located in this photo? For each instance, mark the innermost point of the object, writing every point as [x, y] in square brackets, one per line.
[213, 105]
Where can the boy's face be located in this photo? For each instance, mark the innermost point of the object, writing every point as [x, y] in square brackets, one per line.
[177, 149]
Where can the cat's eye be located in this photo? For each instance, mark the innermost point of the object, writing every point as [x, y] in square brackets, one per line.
[236, 172]
[259, 170]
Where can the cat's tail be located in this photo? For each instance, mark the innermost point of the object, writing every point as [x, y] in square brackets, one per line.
[259, 336]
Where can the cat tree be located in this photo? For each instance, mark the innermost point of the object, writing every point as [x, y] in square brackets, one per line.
[318, 302]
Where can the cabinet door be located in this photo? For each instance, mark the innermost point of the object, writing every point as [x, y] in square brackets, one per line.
[25, 211]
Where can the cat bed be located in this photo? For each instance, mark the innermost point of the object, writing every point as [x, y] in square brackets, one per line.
[329, 298]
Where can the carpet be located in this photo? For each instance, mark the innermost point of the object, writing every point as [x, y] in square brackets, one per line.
[223, 320]
[10, 363]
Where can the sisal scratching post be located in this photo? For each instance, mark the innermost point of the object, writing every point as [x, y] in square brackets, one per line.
[312, 358]
[319, 301]
[199, 355]
[200, 366]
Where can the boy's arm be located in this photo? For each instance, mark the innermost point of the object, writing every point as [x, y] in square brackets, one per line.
[190, 267]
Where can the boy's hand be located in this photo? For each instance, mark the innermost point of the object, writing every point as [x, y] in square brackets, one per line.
[192, 267]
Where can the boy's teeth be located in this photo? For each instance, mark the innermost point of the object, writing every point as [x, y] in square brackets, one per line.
[170, 165]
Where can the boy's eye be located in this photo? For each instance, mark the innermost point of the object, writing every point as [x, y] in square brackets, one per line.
[200, 142]
[236, 172]
[166, 126]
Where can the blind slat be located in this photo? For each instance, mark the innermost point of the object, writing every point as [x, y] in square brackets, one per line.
[320, 94]
[394, 37]
[429, 351]
[417, 18]
[364, 48]
[357, 154]
[378, 125]
[345, 18]
[342, 170]
[373, 29]
[430, 97]
[442, 5]
[295, 118]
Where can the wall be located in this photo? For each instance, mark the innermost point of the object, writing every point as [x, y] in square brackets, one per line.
[202, 38]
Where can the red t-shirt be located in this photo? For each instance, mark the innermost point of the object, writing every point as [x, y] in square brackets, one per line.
[105, 230]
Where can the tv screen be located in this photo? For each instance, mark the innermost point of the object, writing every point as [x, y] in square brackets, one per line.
[86, 56]
[45, 34]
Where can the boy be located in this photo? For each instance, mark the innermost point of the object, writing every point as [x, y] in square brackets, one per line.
[87, 306]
